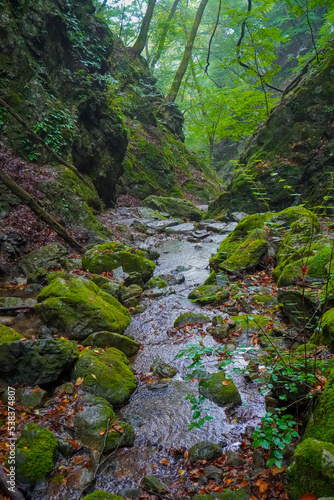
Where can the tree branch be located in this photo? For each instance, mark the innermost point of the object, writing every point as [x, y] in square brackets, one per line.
[211, 38]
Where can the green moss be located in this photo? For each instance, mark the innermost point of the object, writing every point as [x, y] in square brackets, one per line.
[109, 256]
[312, 470]
[242, 494]
[324, 334]
[190, 318]
[321, 424]
[35, 454]
[174, 206]
[248, 322]
[211, 280]
[110, 339]
[263, 298]
[155, 282]
[79, 308]
[101, 495]
[7, 335]
[209, 294]
[214, 388]
[299, 306]
[112, 380]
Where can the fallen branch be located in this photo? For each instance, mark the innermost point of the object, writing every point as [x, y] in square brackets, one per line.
[10, 110]
[39, 211]
[13, 495]
[22, 307]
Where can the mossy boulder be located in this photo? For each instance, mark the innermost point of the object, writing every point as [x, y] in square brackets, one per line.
[209, 294]
[299, 306]
[109, 256]
[96, 417]
[321, 424]
[106, 374]
[204, 450]
[174, 206]
[37, 362]
[78, 308]
[324, 333]
[312, 470]
[51, 256]
[7, 335]
[226, 495]
[101, 495]
[111, 339]
[155, 282]
[35, 455]
[220, 390]
[112, 287]
[31, 397]
[153, 483]
[190, 318]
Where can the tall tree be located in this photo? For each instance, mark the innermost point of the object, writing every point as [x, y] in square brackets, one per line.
[164, 33]
[187, 53]
[140, 43]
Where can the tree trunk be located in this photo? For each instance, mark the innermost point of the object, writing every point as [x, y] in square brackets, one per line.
[187, 53]
[164, 34]
[139, 44]
[39, 211]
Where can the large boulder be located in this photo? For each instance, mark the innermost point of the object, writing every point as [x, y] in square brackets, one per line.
[190, 318]
[35, 455]
[106, 374]
[174, 206]
[312, 470]
[110, 256]
[49, 257]
[220, 390]
[95, 420]
[36, 362]
[299, 306]
[79, 308]
[111, 339]
[209, 294]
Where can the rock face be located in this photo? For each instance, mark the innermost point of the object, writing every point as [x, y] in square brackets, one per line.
[37, 362]
[110, 256]
[79, 308]
[106, 374]
[295, 144]
[36, 451]
[67, 76]
[48, 257]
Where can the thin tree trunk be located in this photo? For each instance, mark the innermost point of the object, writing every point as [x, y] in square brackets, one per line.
[164, 34]
[187, 53]
[138, 47]
[39, 211]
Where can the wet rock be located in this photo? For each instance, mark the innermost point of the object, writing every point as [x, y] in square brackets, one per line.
[249, 431]
[173, 278]
[78, 308]
[227, 495]
[157, 386]
[108, 339]
[159, 367]
[135, 420]
[65, 388]
[148, 213]
[221, 391]
[140, 226]
[271, 402]
[155, 282]
[112, 287]
[212, 472]
[200, 234]
[138, 237]
[190, 318]
[8, 335]
[36, 452]
[65, 446]
[233, 459]
[16, 302]
[258, 463]
[7, 320]
[106, 374]
[31, 397]
[96, 417]
[153, 483]
[112, 255]
[37, 362]
[238, 216]
[184, 229]
[220, 331]
[217, 227]
[161, 225]
[204, 450]
[173, 206]
[48, 257]
[132, 291]
[209, 294]
[129, 492]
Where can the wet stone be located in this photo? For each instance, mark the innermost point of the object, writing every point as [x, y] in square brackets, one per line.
[204, 450]
[233, 459]
[153, 483]
[160, 367]
[212, 472]
[129, 492]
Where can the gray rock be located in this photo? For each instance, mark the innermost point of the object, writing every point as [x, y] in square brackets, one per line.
[48, 257]
[190, 318]
[129, 492]
[153, 483]
[212, 472]
[65, 388]
[220, 331]
[234, 460]
[161, 225]
[173, 278]
[31, 397]
[217, 227]
[204, 450]
[148, 213]
[185, 229]
[159, 367]
[238, 216]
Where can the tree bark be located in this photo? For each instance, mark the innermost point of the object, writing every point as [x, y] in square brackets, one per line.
[139, 45]
[187, 53]
[162, 40]
[39, 211]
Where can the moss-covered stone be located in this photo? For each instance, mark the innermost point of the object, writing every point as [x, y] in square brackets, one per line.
[79, 308]
[35, 454]
[37, 362]
[321, 424]
[31, 397]
[174, 206]
[190, 318]
[209, 294]
[7, 335]
[101, 495]
[204, 450]
[155, 282]
[312, 470]
[250, 322]
[109, 256]
[299, 306]
[96, 417]
[220, 390]
[153, 483]
[324, 333]
[211, 279]
[48, 257]
[112, 287]
[106, 374]
[242, 494]
[110, 339]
